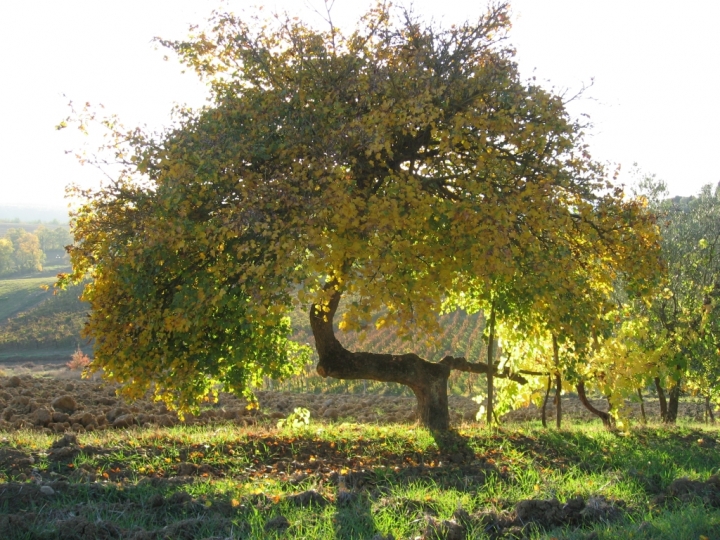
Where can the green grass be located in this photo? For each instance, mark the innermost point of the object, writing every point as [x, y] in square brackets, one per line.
[17, 295]
[54, 321]
[230, 481]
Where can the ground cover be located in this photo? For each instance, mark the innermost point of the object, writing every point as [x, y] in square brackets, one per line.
[32, 318]
[232, 473]
[20, 294]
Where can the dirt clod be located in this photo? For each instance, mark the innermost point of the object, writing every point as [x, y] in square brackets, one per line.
[186, 529]
[65, 404]
[546, 513]
[278, 523]
[308, 498]
[79, 528]
[685, 490]
[68, 439]
[444, 530]
[13, 382]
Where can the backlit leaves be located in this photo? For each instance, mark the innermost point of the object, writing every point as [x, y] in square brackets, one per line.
[408, 164]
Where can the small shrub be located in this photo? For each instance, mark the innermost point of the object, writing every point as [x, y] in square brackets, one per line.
[78, 360]
[300, 417]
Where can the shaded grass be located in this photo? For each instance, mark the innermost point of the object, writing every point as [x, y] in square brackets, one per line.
[234, 481]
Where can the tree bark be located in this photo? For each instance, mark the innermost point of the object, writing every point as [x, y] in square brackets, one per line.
[673, 404]
[708, 409]
[490, 382]
[427, 380]
[558, 384]
[544, 405]
[661, 398]
[642, 406]
[558, 401]
[605, 417]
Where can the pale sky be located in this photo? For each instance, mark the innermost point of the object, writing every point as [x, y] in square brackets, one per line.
[655, 100]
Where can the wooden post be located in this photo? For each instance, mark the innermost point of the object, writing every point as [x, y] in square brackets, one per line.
[491, 367]
[558, 383]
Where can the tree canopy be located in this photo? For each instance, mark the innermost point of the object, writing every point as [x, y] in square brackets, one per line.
[20, 252]
[403, 167]
[682, 319]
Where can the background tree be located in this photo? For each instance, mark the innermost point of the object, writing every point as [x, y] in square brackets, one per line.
[53, 239]
[7, 263]
[27, 255]
[398, 167]
[679, 315]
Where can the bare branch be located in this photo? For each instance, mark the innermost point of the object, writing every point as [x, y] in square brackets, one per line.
[461, 364]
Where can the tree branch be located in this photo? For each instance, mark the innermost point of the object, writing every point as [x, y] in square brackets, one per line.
[461, 364]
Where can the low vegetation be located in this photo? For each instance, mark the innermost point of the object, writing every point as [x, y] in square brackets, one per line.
[55, 321]
[346, 480]
[17, 295]
[78, 462]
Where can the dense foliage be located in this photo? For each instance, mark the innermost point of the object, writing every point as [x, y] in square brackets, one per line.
[404, 168]
[680, 326]
[23, 252]
[20, 252]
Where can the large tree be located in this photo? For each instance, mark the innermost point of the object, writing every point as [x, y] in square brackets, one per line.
[398, 168]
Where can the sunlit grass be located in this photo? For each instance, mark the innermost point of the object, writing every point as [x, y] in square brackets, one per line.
[242, 477]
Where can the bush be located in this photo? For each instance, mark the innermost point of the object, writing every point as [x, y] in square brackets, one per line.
[78, 360]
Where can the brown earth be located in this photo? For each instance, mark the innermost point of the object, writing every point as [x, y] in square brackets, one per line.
[58, 405]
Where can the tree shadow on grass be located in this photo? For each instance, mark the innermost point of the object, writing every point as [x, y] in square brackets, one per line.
[454, 446]
[354, 515]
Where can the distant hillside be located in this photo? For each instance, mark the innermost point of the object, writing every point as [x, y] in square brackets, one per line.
[5, 226]
[34, 214]
[34, 321]
[18, 295]
[57, 321]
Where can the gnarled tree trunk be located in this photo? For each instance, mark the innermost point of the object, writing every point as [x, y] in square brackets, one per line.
[661, 398]
[642, 406]
[709, 410]
[427, 380]
[673, 404]
[605, 417]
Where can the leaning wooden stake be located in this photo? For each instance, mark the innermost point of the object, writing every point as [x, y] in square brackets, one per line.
[558, 384]
[544, 405]
[491, 370]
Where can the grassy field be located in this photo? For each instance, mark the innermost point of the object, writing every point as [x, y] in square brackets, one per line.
[35, 324]
[40, 324]
[343, 481]
[17, 295]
